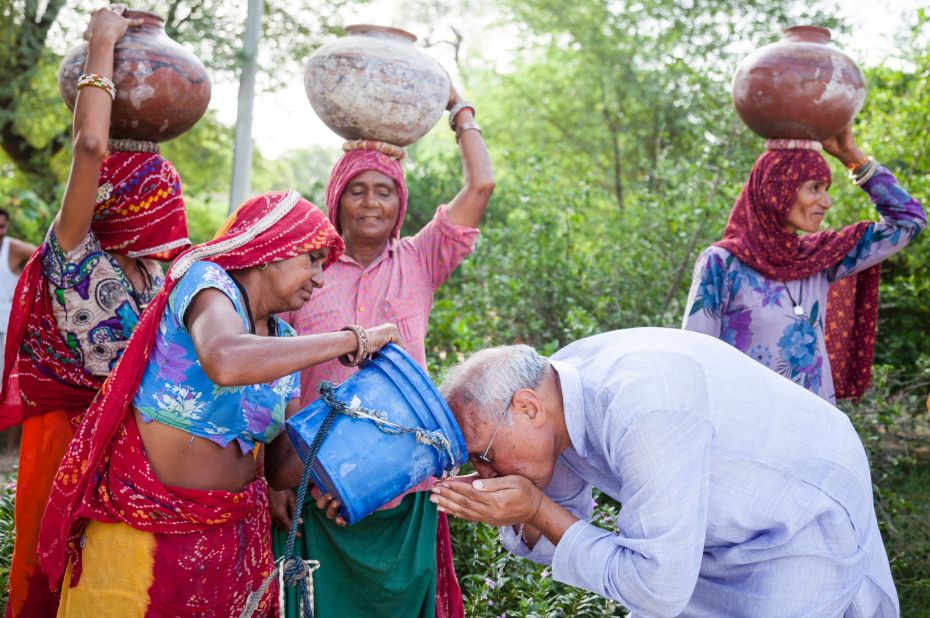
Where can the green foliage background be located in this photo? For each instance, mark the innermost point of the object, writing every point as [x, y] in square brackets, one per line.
[618, 157]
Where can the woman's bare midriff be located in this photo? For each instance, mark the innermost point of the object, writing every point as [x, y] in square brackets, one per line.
[182, 460]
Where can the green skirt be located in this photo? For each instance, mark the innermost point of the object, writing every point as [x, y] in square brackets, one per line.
[385, 565]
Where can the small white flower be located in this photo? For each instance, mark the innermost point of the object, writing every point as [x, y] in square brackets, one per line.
[180, 401]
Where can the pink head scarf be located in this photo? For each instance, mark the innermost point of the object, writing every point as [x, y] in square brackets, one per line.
[353, 163]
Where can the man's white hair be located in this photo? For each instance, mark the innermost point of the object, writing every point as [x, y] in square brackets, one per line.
[489, 378]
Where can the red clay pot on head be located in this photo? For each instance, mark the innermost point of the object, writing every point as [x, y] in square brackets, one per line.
[800, 87]
[162, 89]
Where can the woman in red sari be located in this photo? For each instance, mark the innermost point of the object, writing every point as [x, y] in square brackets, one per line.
[79, 297]
[158, 507]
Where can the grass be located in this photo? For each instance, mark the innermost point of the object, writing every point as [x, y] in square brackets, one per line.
[907, 536]
[7, 493]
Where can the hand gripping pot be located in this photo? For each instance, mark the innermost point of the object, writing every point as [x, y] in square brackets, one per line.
[162, 88]
[364, 461]
[798, 88]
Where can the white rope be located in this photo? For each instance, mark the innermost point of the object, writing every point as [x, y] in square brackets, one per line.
[251, 603]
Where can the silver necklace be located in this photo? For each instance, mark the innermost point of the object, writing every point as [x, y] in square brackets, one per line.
[796, 304]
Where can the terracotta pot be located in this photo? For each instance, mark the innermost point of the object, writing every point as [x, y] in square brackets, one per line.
[162, 89]
[374, 84]
[801, 87]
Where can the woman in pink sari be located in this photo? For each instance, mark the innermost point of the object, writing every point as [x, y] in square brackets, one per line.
[398, 561]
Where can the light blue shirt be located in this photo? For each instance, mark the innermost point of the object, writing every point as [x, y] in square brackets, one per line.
[742, 493]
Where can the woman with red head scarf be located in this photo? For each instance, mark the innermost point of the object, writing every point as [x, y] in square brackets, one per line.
[764, 287]
[159, 507]
[398, 561]
[80, 295]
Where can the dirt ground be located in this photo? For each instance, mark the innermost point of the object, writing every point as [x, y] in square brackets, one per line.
[9, 450]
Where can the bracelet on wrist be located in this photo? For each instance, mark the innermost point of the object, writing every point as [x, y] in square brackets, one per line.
[466, 126]
[856, 166]
[133, 145]
[454, 112]
[864, 172]
[362, 351]
[97, 81]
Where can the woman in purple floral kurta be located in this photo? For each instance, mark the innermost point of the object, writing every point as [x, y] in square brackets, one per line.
[780, 323]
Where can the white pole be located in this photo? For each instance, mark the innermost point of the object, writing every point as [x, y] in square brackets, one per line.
[242, 155]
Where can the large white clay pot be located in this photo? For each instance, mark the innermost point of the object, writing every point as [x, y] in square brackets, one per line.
[374, 84]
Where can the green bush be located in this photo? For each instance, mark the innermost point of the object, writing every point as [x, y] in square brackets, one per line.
[890, 419]
[7, 496]
[497, 584]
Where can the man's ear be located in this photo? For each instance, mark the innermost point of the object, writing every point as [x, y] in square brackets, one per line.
[526, 401]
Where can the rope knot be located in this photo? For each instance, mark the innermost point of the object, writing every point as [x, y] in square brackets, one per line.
[295, 571]
[354, 409]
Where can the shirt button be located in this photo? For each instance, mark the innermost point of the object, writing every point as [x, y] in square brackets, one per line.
[362, 308]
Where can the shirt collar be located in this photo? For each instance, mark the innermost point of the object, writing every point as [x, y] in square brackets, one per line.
[572, 403]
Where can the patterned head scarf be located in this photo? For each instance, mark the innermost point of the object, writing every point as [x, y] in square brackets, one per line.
[755, 234]
[353, 163]
[140, 209]
[267, 228]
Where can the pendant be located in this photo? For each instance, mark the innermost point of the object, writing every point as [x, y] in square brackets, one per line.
[799, 310]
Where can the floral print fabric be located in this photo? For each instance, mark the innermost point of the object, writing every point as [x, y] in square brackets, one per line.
[732, 301]
[175, 390]
[94, 304]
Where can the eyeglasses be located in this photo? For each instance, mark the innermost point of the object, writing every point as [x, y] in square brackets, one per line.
[483, 458]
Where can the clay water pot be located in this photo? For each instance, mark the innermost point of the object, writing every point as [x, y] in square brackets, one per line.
[800, 87]
[162, 89]
[374, 84]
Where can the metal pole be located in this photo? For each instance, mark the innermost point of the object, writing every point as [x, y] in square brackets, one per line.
[242, 155]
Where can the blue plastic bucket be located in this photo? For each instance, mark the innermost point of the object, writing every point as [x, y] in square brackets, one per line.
[360, 464]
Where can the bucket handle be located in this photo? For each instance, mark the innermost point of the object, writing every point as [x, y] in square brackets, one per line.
[353, 409]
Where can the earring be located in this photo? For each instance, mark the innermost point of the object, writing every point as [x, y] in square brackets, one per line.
[263, 267]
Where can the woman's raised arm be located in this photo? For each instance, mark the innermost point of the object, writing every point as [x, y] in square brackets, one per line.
[91, 126]
[467, 207]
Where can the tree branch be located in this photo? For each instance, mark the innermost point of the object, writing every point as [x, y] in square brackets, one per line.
[615, 146]
[687, 258]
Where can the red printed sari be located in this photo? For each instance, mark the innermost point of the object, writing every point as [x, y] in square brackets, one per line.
[139, 213]
[207, 550]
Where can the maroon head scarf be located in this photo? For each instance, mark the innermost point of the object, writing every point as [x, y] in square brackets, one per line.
[755, 234]
[353, 163]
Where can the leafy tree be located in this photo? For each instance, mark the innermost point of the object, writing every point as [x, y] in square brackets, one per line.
[306, 170]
